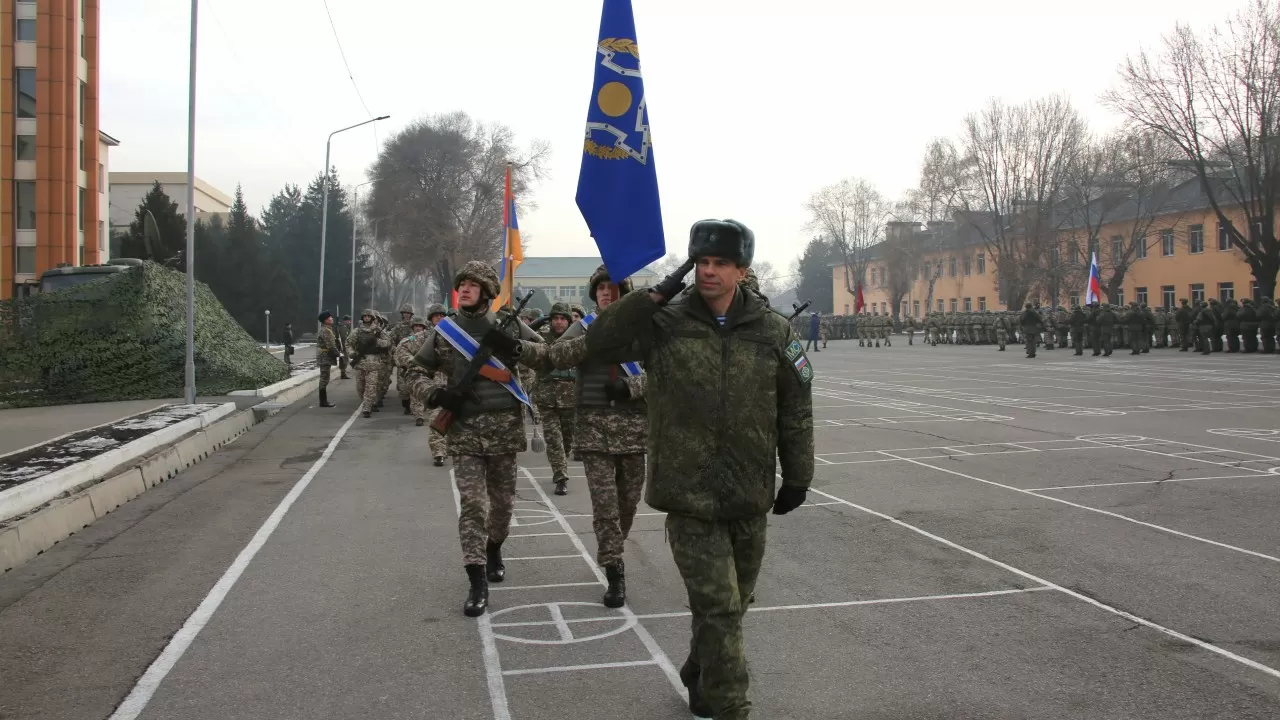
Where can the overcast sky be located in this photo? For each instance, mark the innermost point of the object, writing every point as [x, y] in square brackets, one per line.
[754, 104]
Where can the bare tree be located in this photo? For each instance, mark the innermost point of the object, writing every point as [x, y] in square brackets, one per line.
[1014, 162]
[438, 189]
[933, 204]
[1121, 182]
[852, 215]
[773, 282]
[1217, 98]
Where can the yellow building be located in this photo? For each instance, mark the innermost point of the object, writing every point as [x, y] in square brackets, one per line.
[1181, 252]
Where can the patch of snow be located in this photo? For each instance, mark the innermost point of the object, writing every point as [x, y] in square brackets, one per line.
[90, 445]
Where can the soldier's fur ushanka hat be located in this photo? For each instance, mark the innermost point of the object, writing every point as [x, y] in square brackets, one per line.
[727, 239]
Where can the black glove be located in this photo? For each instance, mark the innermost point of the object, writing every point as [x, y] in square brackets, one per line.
[446, 399]
[617, 390]
[671, 285]
[501, 343]
[789, 498]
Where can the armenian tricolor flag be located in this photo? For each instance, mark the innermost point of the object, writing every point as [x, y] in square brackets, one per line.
[512, 253]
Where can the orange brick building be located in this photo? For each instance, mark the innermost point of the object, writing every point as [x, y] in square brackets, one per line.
[51, 164]
[1185, 254]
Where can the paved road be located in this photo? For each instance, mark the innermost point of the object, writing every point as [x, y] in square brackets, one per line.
[23, 427]
[989, 537]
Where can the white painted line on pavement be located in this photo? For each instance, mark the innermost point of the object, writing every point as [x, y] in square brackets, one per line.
[1273, 672]
[1144, 482]
[1100, 511]
[504, 586]
[656, 652]
[488, 644]
[570, 668]
[809, 606]
[147, 685]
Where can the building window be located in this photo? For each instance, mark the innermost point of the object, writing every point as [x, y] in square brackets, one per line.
[915, 308]
[81, 256]
[982, 263]
[1075, 301]
[82, 154]
[982, 304]
[102, 175]
[1167, 296]
[953, 305]
[1195, 239]
[884, 308]
[24, 204]
[968, 262]
[25, 260]
[1166, 243]
[1119, 298]
[82, 109]
[102, 235]
[25, 31]
[1224, 238]
[1140, 294]
[80, 210]
[951, 267]
[25, 79]
[873, 276]
[1197, 292]
[24, 147]
[846, 308]
[1140, 247]
[1226, 291]
[968, 304]
[1117, 248]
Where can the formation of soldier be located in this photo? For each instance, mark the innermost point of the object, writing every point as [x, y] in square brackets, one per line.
[1208, 326]
[640, 390]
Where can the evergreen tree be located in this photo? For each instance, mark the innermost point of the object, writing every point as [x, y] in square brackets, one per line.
[814, 267]
[163, 240]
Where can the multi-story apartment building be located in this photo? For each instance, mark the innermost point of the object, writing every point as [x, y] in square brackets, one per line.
[1173, 251]
[52, 152]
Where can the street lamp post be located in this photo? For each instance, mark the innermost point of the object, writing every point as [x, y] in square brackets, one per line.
[190, 384]
[268, 336]
[324, 211]
[355, 206]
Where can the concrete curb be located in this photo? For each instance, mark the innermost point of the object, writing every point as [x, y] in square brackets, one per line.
[275, 389]
[31, 495]
[61, 518]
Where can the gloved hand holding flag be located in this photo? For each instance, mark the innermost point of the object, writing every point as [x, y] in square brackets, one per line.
[617, 185]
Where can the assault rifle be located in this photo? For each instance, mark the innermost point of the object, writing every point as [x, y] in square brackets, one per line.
[475, 368]
[798, 309]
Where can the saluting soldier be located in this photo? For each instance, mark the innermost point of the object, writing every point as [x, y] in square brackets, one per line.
[729, 398]
[487, 429]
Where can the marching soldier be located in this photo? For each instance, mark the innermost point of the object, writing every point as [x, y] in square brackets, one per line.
[1032, 326]
[372, 346]
[1267, 316]
[327, 350]
[1182, 318]
[729, 398]
[398, 333]
[1078, 322]
[610, 434]
[436, 439]
[342, 334]
[487, 427]
[409, 374]
[554, 395]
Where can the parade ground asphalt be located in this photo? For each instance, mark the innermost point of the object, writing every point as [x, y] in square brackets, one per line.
[988, 536]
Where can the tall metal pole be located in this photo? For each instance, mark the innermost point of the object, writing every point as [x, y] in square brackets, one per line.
[191, 214]
[324, 210]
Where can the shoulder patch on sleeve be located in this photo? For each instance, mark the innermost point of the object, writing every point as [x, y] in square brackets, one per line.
[794, 350]
[799, 362]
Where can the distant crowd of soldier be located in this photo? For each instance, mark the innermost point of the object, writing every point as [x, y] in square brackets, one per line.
[1207, 326]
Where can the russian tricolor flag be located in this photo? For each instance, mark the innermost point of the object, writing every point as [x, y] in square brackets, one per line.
[1093, 292]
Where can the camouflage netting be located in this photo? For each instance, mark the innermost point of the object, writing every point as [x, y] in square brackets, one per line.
[124, 338]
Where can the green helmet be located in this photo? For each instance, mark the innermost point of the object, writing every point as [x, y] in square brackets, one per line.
[435, 309]
[562, 309]
[416, 320]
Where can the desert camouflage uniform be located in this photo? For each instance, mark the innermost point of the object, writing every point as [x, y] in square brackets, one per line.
[554, 396]
[326, 353]
[373, 346]
[398, 333]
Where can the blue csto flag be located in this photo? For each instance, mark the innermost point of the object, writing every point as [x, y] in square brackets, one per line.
[618, 186]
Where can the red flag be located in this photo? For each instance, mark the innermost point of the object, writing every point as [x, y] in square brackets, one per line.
[858, 304]
[453, 300]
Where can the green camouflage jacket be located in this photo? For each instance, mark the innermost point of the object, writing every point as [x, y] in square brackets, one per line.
[726, 404]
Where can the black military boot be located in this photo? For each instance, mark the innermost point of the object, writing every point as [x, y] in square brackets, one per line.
[497, 572]
[616, 595]
[562, 485]
[419, 422]
[324, 399]
[478, 595]
[366, 413]
[689, 675]
[439, 461]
